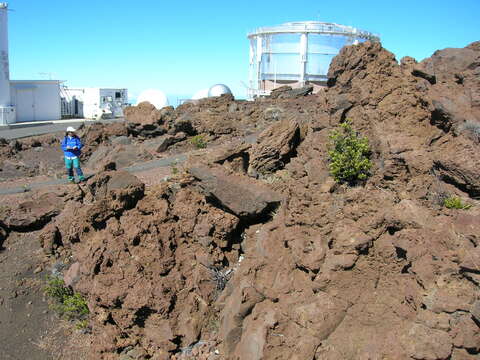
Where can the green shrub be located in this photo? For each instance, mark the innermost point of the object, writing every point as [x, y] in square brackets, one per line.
[198, 141]
[69, 304]
[349, 155]
[454, 202]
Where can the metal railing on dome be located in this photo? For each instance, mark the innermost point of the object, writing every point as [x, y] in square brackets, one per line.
[315, 27]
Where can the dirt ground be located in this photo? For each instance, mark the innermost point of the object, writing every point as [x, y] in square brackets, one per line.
[28, 328]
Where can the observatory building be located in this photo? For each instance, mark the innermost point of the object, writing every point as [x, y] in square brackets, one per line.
[297, 53]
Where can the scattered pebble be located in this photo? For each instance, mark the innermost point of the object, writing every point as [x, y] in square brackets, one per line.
[37, 270]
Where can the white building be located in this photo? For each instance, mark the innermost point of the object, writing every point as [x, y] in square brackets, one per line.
[35, 100]
[44, 100]
[94, 103]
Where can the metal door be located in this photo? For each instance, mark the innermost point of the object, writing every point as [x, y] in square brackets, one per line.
[25, 105]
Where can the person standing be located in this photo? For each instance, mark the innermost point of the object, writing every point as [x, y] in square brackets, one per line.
[72, 146]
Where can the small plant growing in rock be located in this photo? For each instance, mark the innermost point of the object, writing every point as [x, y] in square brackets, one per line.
[349, 155]
[174, 168]
[69, 304]
[454, 202]
[198, 141]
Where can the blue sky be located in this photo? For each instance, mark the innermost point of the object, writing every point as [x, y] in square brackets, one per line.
[183, 46]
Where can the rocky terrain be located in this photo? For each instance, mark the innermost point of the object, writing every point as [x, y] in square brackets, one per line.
[250, 249]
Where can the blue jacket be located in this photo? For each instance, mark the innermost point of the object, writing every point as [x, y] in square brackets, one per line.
[70, 143]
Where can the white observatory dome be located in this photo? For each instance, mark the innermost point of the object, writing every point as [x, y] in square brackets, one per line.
[200, 94]
[218, 90]
[155, 97]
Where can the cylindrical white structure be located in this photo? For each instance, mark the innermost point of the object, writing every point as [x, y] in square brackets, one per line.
[297, 53]
[4, 67]
[7, 112]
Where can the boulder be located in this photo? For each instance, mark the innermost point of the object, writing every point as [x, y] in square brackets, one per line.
[239, 195]
[121, 189]
[184, 124]
[275, 93]
[33, 214]
[296, 93]
[50, 239]
[144, 113]
[164, 142]
[121, 155]
[274, 148]
[286, 92]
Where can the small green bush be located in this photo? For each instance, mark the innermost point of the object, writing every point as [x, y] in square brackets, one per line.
[198, 141]
[454, 202]
[69, 304]
[349, 155]
[56, 289]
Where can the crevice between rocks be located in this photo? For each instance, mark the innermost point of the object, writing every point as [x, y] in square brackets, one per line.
[442, 174]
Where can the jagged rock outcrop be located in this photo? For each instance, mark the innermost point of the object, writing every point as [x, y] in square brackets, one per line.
[456, 93]
[293, 265]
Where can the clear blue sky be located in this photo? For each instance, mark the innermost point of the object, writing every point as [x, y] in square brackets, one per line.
[183, 46]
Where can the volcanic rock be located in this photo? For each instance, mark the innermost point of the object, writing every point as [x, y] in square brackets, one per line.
[460, 169]
[456, 95]
[121, 155]
[33, 214]
[275, 146]
[121, 189]
[294, 266]
[143, 113]
[237, 194]
[50, 238]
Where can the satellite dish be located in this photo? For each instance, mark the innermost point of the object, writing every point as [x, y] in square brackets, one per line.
[200, 94]
[218, 90]
[155, 97]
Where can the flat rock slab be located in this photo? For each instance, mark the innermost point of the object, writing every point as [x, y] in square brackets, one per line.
[32, 214]
[242, 196]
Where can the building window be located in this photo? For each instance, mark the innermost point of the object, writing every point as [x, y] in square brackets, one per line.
[118, 95]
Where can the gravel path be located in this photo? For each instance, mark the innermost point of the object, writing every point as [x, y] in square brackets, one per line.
[165, 162]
